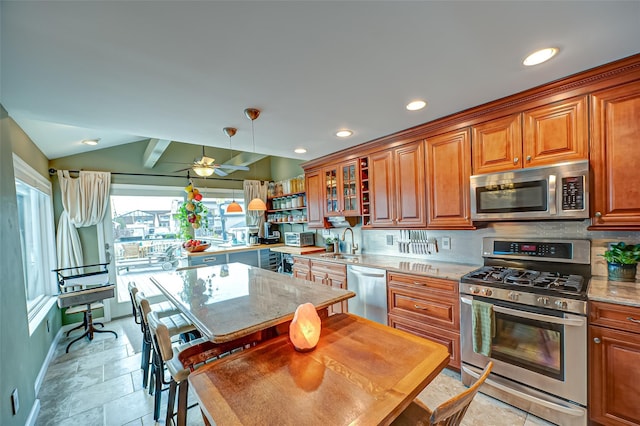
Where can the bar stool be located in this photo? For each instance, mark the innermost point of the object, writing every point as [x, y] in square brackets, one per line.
[180, 361]
[177, 325]
[163, 309]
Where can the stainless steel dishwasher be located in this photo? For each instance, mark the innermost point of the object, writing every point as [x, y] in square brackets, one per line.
[370, 287]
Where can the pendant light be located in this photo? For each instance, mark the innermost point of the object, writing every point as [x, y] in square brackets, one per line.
[233, 207]
[256, 204]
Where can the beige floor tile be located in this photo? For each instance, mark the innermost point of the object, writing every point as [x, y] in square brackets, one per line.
[100, 394]
[128, 408]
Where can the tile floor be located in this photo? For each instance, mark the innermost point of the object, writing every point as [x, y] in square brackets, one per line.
[100, 383]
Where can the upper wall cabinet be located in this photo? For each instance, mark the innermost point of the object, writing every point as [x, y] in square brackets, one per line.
[548, 134]
[397, 187]
[315, 197]
[342, 189]
[448, 172]
[615, 157]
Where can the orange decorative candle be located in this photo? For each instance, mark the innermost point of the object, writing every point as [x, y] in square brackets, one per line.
[304, 330]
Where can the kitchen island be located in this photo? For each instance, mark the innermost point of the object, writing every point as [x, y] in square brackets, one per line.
[259, 255]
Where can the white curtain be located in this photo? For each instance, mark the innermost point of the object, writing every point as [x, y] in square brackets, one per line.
[85, 201]
[255, 189]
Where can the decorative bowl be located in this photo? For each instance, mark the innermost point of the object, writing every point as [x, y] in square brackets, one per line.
[196, 249]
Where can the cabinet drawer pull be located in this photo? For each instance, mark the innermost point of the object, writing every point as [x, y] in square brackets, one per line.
[632, 319]
[420, 307]
[422, 284]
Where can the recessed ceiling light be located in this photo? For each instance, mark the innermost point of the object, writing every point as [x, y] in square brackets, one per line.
[344, 133]
[300, 151]
[540, 56]
[416, 105]
[91, 142]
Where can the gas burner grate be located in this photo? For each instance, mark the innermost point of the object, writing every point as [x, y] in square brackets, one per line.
[489, 274]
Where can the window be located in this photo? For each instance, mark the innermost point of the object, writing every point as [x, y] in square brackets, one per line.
[37, 239]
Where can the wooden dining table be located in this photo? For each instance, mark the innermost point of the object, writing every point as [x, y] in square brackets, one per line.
[360, 373]
[230, 301]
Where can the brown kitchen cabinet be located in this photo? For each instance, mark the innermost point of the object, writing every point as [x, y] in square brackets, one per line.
[397, 187]
[548, 134]
[615, 158]
[614, 360]
[301, 268]
[333, 275]
[342, 189]
[315, 209]
[448, 173]
[427, 307]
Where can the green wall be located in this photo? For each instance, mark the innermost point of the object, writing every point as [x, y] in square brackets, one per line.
[285, 168]
[21, 355]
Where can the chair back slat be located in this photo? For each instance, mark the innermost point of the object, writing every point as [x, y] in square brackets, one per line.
[161, 336]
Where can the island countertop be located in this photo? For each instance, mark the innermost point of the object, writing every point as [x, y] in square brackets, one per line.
[229, 301]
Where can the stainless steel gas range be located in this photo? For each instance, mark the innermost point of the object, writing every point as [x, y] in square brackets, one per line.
[535, 293]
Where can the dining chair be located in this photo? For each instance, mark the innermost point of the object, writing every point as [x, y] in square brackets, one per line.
[449, 413]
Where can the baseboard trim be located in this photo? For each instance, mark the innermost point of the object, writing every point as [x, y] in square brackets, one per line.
[33, 414]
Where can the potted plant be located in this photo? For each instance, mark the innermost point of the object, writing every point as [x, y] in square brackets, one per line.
[328, 243]
[622, 261]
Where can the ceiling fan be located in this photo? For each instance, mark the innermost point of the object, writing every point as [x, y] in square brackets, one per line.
[206, 166]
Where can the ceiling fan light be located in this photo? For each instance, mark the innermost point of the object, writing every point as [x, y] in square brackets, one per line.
[257, 205]
[234, 207]
[203, 171]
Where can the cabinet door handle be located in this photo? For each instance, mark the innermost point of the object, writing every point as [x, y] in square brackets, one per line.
[515, 160]
[528, 158]
[598, 214]
[596, 340]
[632, 319]
[422, 308]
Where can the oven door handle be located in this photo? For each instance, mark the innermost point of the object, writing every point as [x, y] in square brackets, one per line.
[574, 322]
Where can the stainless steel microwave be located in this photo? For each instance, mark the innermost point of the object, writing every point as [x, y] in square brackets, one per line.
[560, 191]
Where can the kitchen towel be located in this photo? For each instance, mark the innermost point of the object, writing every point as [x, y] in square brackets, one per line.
[483, 326]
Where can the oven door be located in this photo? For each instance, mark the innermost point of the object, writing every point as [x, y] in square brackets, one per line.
[536, 347]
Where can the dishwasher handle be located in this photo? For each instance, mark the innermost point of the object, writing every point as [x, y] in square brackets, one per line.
[367, 272]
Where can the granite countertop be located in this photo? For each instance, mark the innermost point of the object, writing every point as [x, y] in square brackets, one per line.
[408, 265]
[617, 292]
[230, 249]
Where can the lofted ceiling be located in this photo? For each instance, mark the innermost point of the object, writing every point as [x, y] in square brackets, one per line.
[183, 70]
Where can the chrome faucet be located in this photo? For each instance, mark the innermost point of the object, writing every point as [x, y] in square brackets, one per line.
[354, 246]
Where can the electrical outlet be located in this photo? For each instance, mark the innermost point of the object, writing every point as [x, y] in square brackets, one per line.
[15, 402]
[389, 240]
[446, 243]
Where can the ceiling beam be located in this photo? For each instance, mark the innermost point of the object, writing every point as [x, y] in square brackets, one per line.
[155, 149]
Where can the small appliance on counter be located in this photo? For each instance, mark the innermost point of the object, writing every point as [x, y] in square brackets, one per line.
[271, 234]
[299, 239]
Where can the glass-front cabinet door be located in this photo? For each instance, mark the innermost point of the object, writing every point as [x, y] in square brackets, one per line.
[342, 191]
[332, 204]
[350, 189]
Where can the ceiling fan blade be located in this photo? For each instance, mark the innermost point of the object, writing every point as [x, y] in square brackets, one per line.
[207, 161]
[182, 170]
[232, 167]
[219, 172]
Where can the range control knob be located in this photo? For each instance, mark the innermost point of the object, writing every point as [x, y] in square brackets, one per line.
[486, 291]
[562, 304]
[474, 290]
[513, 295]
[543, 300]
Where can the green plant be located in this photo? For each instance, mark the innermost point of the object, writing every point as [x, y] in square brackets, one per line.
[329, 241]
[622, 253]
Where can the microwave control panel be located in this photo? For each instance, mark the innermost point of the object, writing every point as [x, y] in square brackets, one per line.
[573, 193]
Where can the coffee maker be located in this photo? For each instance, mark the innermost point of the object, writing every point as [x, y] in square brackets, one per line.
[271, 234]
